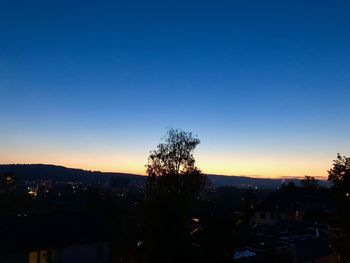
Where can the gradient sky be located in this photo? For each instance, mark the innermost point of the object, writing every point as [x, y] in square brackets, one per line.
[96, 84]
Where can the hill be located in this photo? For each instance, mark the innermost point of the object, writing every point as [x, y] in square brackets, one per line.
[28, 172]
[245, 181]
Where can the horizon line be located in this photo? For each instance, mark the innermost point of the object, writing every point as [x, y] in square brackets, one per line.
[282, 177]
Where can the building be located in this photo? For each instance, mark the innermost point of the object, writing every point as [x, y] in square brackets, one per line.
[53, 239]
[289, 241]
[273, 209]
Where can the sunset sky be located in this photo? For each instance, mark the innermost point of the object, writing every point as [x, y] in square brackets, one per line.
[96, 84]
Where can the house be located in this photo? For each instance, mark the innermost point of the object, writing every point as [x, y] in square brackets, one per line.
[295, 204]
[273, 209]
[259, 250]
[53, 239]
[244, 255]
[289, 241]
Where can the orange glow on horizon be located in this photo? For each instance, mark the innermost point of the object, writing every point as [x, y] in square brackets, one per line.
[254, 166]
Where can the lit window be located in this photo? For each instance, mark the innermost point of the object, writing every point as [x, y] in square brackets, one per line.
[33, 257]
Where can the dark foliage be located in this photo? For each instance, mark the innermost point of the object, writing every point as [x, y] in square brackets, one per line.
[309, 182]
[173, 187]
[339, 175]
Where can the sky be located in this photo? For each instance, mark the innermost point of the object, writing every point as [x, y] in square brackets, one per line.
[96, 84]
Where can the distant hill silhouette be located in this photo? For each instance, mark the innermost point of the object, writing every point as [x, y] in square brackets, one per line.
[245, 181]
[28, 172]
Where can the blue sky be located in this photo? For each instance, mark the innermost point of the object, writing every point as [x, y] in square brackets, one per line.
[96, 84]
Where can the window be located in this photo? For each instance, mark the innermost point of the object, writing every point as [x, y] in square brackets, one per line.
[43, 256]
[33, 257]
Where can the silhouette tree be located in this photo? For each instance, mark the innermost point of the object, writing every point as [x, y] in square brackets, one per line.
[309, 182]
[290, 187]
[171, 167]
[174, 184]
[249, 203]
[339, 175]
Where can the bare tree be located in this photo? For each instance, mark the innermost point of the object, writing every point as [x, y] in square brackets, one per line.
[174, 156]
[173, 186]
[171, 166]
